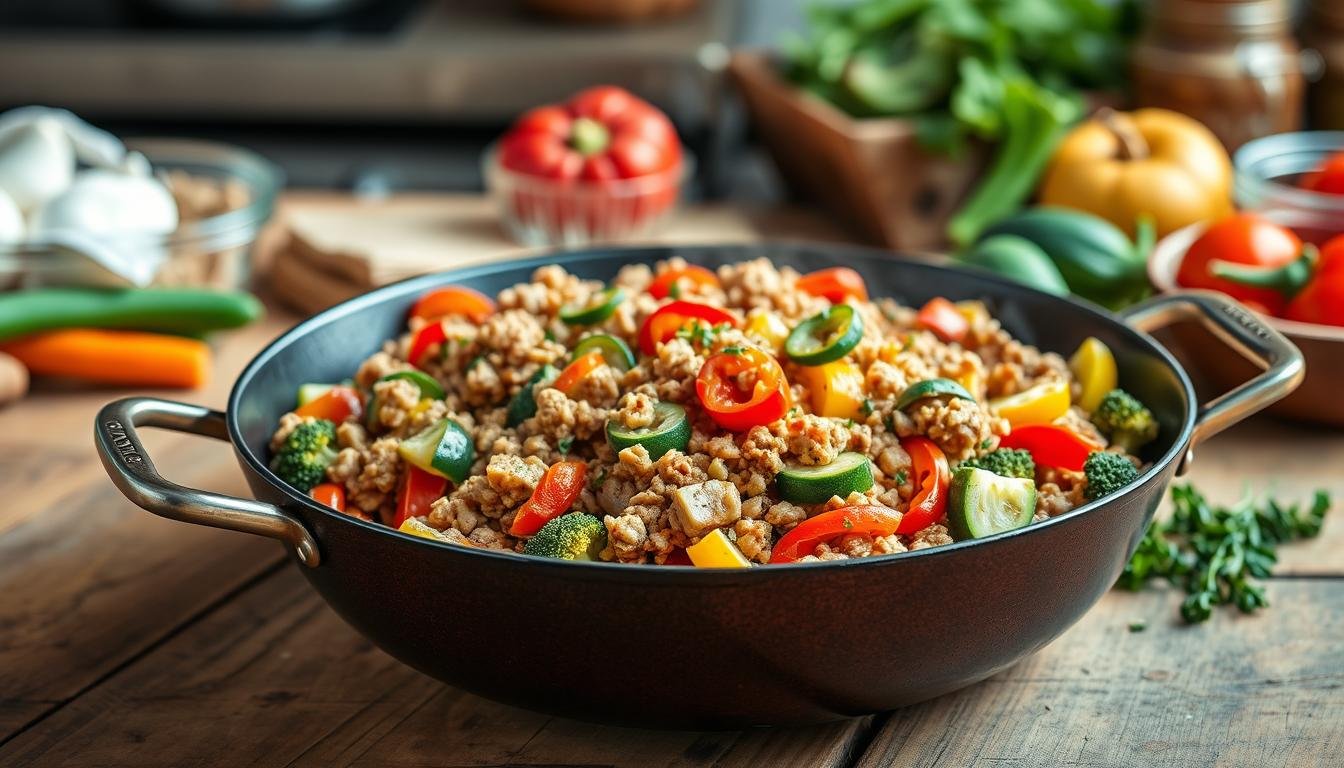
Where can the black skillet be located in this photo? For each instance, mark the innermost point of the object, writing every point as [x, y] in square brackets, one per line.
[681, 647]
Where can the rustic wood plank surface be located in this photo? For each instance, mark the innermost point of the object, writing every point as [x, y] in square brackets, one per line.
[130, 640]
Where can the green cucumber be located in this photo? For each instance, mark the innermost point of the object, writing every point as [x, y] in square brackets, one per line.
[599, 307]
[523, 406]
[932, 388]
[1094, 256]
[429, 388]
[1018, 259]
[310, 392]
[981, 503]
[850, 472]
[825, 337]
[670, 429]
[444, 449]
[616, 352]
[184, 311]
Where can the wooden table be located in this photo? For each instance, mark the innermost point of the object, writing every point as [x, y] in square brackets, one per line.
[130, 640]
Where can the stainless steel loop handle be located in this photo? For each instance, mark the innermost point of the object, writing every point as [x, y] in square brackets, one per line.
[128, 465]
[1240, 329]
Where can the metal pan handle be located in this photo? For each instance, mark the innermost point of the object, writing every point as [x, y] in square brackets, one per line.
[128, 465]
[1239, 328]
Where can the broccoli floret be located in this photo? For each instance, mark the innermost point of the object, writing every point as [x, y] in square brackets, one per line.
[1125, 421]
[302, 461]
[1007, 462]
[1107, 472]
[574, 536]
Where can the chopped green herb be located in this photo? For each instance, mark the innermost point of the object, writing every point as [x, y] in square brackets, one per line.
[847, 523]
[475, 361]
[1216, 553]
[564, 444]
[734, 350]
[849, 423]
[598, 480]
[909, 342]
[550, 335]
[984, 444]
[675, 290]
[867, 408]
[901, 477]
[1138, 625]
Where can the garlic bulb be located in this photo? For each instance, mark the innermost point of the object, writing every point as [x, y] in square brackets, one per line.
[11, 219]
[37, 162]
[109, 203]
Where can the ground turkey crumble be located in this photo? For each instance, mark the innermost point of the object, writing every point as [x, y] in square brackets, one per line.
[653, 508]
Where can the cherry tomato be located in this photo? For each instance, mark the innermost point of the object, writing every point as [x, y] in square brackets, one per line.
[670, 318]
[454, 300]
[802, 539]
[555, 494]
[741, 390]
[835, 284]
[337, 404]
[1328, 178]
[669, 281]
[941, 316]
[932, 478]
[1244, 238]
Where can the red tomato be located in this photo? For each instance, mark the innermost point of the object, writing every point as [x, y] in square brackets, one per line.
[802, 539]
[338, 404]
[835, 284]
[417, 491]
[454, 300]
[669, 281]
[330, 494]
[1243, 238]
[1322, 300]
[932, 478]
[670, 318]
[1328, 178]
[1051, 446]
[577, 370]
[424, 339]
[555, 494]
[733, 407]
[941, 317]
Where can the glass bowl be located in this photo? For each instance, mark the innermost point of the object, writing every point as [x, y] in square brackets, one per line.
[213, 251]
[1267, 171]
[544, 212]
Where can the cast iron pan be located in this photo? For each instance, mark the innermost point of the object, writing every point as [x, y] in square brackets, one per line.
[682, 647]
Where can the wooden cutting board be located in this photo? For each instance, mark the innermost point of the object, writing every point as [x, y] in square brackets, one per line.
[333, 247]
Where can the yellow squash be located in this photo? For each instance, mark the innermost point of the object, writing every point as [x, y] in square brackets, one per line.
[716, 551]
[1153, 161]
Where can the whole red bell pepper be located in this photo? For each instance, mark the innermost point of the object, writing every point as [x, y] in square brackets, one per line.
[932, 478]
[1241, 241]
[1312, 285]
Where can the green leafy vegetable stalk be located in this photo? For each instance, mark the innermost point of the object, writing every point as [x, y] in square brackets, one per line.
[1216, 553]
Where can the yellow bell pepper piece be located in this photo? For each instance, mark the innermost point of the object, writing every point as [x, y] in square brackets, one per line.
[975, 312]
[414, 527]
[1040, 404]
[1093, 366]
[768, 327]
[716, 551]
[836, 387]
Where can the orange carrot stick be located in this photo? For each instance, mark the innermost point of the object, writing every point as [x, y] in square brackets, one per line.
[114, 357]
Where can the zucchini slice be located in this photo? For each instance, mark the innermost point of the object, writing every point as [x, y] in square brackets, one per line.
[670, 429]
[444, 449]
[601, 306]
[932, 388]
[616, 352]
[849, 472]
[825, 337]
[523, 406]
[310, 392]
[981, 503]
[429, 388]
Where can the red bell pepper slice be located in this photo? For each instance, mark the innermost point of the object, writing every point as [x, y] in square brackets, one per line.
[329, 494]
[941, 316]
[555, 494]
[418, 490]
[577, 370]
[835, 284]
[669, 280]
[718, 386]
[454, 300]
[337, 404]
[802, 540]
[677, 557]
[670, 318]
[1051, 445]
[424, 339]
[932, 478]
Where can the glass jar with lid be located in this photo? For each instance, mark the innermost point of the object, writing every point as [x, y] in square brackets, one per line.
[1231, 64]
